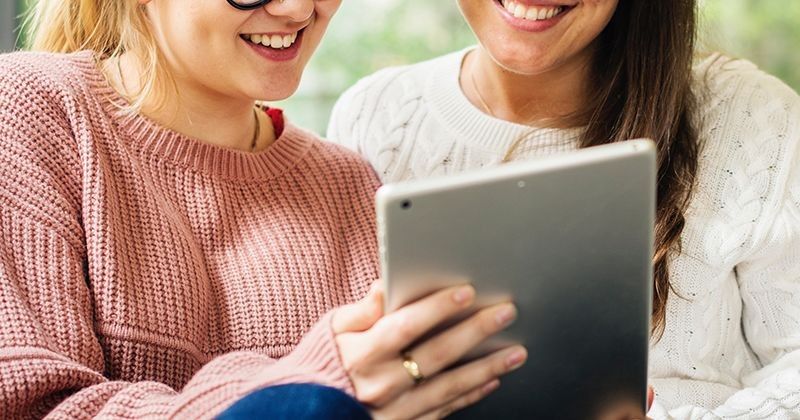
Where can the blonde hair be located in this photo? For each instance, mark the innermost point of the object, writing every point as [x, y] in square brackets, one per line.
[107, 27]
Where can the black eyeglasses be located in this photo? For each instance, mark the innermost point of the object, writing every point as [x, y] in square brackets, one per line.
[247, 4]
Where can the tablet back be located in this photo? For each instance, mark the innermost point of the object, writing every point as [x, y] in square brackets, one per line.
[569, 239]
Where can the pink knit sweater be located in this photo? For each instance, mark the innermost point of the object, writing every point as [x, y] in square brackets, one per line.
[147, 274]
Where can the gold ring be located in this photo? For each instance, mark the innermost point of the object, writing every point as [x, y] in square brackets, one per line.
[412, 368]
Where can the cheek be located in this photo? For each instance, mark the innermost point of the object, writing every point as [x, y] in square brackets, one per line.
[325, 9]
[201, 28]
[592, 17]
[476, 13]
[203, 37]
[602, 10]
[202, 46]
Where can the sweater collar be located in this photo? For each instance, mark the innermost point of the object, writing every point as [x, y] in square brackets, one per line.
[155, 142]
[448, 101]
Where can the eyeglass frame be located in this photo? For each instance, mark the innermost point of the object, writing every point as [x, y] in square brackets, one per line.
[253, 6]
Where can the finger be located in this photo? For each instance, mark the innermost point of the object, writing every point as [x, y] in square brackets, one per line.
[437, 393]
[362, 315]
[651, 396]
[403, 327]
[448, 347]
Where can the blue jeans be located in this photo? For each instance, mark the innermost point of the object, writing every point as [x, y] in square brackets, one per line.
[296, 401]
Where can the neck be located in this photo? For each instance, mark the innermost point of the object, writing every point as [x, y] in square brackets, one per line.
[196, 111]
[551, 98]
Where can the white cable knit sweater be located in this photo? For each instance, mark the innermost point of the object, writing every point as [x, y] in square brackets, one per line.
[732, 343]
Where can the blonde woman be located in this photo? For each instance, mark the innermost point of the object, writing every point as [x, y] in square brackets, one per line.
[549, 77]
[168, 248]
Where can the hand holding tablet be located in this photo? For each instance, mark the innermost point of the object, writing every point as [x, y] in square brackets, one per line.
[400, 371]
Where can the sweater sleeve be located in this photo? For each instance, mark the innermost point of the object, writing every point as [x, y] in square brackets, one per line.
[357, 117]
[768, 277]
[350, 116]
[51, 359]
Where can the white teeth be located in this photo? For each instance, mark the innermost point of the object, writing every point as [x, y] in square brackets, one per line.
[276, 41]
[521, 11]
[272, 41]
[542, 14]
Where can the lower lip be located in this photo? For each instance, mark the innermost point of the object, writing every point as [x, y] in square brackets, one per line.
[272, 54]
[529, 25]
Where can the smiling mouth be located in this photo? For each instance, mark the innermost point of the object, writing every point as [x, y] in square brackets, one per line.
[274, 41]
[532, 13]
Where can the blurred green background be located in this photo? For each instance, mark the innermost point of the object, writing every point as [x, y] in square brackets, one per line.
[368, 35]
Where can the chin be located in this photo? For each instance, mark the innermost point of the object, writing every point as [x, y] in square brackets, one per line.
[278, 89]
[521, 59]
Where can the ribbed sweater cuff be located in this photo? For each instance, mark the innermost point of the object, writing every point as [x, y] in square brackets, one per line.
[316, 359]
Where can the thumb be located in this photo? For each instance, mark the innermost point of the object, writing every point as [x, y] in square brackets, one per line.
[362, 315]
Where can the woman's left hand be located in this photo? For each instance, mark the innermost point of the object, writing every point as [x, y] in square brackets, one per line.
[372, 347]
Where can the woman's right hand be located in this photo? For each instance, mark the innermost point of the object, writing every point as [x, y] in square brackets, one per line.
[372, 346]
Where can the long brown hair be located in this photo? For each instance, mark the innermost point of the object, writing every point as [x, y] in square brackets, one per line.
[643, 65]
[642, 88]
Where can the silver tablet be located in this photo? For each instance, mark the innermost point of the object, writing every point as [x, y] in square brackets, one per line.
[569, 239]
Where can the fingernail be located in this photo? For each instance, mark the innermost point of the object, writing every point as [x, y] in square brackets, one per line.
[490, 387]
[463, 295]
[516, 359]
[506, 315]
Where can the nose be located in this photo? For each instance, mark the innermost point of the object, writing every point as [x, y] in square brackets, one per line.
[296, 10]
